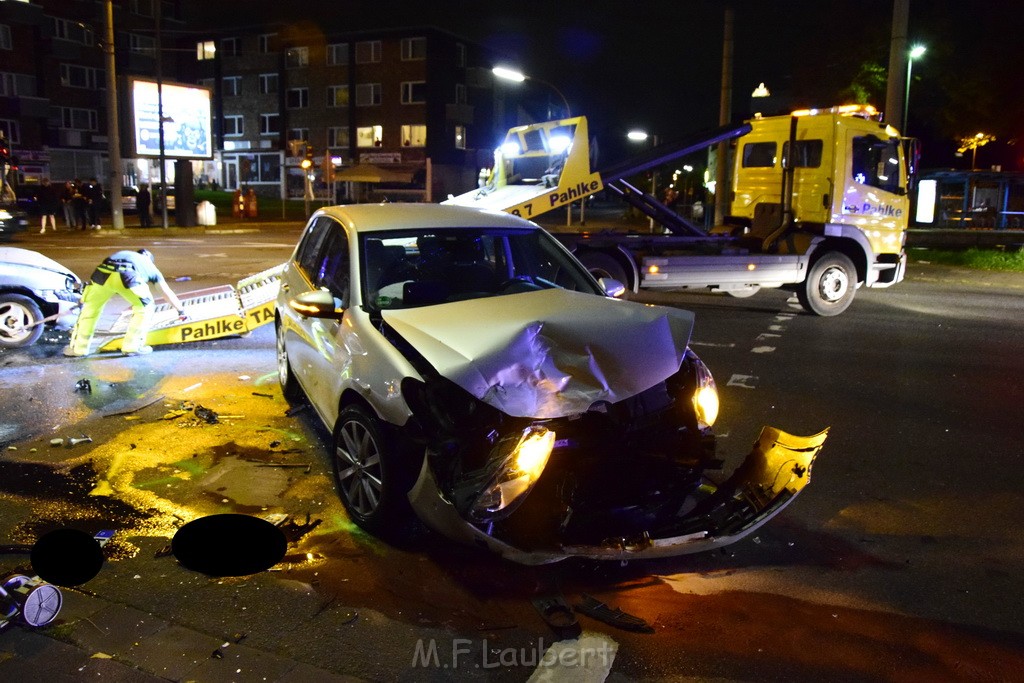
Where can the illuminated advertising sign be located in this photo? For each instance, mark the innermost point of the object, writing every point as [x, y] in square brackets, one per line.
[187, 120]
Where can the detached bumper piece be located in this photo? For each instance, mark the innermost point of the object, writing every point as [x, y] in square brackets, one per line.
[770, 477]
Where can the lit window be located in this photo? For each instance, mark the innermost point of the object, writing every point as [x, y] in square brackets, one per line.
[460, 137]
[296, 57]
[369, 136]
[206, 50]
[414, 136]
[337, 96]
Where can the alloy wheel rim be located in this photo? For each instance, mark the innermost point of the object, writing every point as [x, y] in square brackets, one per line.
[359, 470]
[13, 321]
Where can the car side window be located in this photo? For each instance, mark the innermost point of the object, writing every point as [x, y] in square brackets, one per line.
[332, 270]
[312, 242]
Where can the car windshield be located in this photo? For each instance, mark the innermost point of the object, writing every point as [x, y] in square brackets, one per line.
[410, 268]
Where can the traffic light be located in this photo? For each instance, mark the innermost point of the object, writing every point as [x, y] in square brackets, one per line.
[307, 162]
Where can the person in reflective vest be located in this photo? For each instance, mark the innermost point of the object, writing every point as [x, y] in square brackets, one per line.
[127, 274]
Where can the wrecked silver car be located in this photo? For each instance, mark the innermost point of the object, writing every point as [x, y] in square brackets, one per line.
[474, 373]
[34, 291]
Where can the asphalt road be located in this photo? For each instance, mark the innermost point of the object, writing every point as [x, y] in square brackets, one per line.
[901, 560]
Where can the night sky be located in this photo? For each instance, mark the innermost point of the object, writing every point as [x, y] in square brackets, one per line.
[657, 65]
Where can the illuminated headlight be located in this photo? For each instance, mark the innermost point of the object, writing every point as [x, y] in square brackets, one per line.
[516, 474]
[5, 215]
[705, 393]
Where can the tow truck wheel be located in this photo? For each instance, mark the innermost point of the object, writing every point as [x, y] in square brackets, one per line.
[830, 286]
[17, 312]
[602, 265]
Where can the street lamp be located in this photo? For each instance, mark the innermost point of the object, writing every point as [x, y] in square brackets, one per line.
[519, 77]
[641, 136]
[972, 143]
[915, 53]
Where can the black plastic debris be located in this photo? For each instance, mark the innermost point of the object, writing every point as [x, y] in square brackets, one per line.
[596, 609]
[206, 415]
[83, 385]
[559, 616]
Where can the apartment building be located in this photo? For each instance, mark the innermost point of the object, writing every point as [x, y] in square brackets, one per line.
[391, 98]
[53, 83]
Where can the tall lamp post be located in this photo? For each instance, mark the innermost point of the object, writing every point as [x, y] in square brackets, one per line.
[973, 143]
[641, 136]
[915, 53]
[518, 77]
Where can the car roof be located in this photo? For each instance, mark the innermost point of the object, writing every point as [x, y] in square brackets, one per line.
[366, 218]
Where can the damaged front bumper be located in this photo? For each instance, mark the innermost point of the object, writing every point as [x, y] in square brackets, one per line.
[770, 477]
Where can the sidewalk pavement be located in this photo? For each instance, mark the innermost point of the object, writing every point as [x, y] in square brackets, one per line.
[95, 638]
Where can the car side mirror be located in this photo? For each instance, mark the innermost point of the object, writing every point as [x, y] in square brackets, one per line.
[612, 287]
[318, 303]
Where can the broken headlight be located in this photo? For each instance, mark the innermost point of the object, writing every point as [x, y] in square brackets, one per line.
[516, 473]
[705, 393]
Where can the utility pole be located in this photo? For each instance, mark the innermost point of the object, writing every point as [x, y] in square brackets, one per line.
[113, 129]
[724, 117]
[897, 83]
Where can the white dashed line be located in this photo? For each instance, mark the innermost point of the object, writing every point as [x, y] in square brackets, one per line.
[762, 349]
[743, 381]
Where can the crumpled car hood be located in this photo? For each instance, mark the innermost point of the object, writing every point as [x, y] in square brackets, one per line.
[550, 353]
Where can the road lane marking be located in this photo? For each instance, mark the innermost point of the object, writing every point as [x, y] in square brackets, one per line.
[742, 381]
[762, 349]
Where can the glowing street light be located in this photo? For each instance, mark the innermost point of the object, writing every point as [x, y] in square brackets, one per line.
[916, 52]
[637, 135]
[518, 77]
[972, 143]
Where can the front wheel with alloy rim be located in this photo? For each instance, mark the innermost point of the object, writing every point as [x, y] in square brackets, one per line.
[289, 385]
[830, 286]
[19, 321]
[372, 473]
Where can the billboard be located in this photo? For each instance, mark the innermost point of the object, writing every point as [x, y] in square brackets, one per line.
[187, 120]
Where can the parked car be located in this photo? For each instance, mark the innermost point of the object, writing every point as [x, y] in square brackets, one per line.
[33, 288]
[474, 373]
[12, 221]
[129, 198]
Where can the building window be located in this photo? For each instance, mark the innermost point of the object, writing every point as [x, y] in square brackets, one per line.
[414, 49]
[270, 124]
[17, 84]
[368, 52]
[75, 76]
[367, 94]
[11, 130]
[74, 118]
[299, 134]
[337, 137]
[266, 41]
[69, 30]
[234, 125]
[144, 45]
[337, 96]
[262, 168]
[369, 136]
[232, 86]
[460, 93]
[205, 50]
[460, 54]
[229, 47]
[337, 54]
[414, 92]
[460, 137]
[414, 136]
[5, 37]
[297, 98]
[296, 57]
[143, 8]
[268, 84]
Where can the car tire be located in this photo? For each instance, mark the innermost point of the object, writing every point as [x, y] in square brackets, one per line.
[373, 473]
[17, 312]
[289, 384]
[831, 285]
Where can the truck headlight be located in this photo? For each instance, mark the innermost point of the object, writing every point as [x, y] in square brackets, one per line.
[705, 393]
[516, 474]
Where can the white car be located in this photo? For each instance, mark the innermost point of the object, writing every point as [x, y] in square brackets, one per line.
[34, 288]
[475, 374]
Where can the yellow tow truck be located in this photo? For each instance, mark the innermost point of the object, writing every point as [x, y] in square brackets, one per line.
[819, 204]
